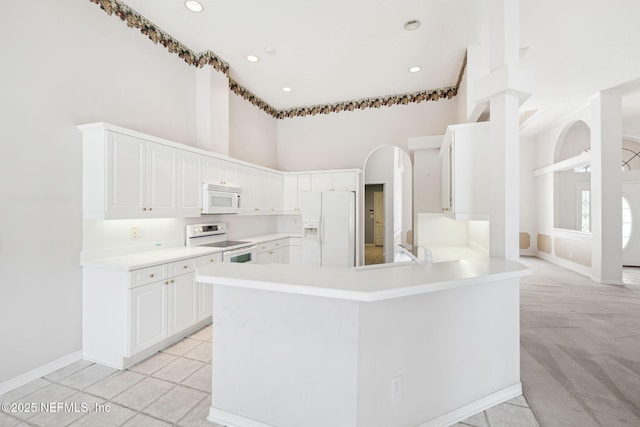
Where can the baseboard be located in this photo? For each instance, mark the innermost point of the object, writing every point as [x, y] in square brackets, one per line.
[229, 419]
[576, 268]
[40, 371]
[473, 408]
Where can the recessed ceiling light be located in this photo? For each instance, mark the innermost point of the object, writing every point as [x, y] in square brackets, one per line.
[286, 89]
[194, 6]
[411, 25]
[252, 58]
[415, 69]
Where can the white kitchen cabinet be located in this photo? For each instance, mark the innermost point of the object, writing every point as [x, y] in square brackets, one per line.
[189, 184]
[205, 290]
[274, 251]
[148, 316]
[128, 316]
[128, 177]
[247, 184]
[293, 186]
[293, 255]
[268, 192]
[219, 171]
[182, 301]
[465, 175]
[334, 181]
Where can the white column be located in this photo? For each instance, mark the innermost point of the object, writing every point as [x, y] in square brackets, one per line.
[212, 110]
[505, 88]
[606, 187]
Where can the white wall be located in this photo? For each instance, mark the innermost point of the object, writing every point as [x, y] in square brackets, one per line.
[252, 133]
[66, 63]
[345, 139]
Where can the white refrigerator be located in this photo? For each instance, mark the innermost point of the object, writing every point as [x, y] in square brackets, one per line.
[328, 228]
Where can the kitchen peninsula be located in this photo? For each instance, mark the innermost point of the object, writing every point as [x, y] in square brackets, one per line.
[404, 345]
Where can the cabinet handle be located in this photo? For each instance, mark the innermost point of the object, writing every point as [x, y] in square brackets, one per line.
[150, 209]
[166, 283]
[211, 260]
[144, 209]
[151, 275]
[185, 267]
[172, 281]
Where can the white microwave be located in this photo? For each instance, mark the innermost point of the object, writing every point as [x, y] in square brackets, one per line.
[220, 199]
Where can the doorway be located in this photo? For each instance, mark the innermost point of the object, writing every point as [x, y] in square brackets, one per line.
[374, 224]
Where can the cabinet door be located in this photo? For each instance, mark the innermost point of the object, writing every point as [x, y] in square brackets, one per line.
[148, 308]
[262, 191]
[263, 258]
[275, 191]
[344, 181]
[321, 181]
[126, 176]
[278, 255]
[247, 184]
[162, 180]
[189, 183]
[304, 184]
[205, 290]
[447, 196]
[181, 299]
[211, 170]
[290, 193]
[294, 255]
[228, 173]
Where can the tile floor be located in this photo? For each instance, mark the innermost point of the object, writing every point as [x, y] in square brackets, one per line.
[171, 388]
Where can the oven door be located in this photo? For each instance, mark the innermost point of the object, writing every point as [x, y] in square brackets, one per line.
[242, 255]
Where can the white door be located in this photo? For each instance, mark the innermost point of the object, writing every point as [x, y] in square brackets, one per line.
[378, 218]
[337, 229]
[182, 311]
[162, 180]
[148, 305]
[126, 179]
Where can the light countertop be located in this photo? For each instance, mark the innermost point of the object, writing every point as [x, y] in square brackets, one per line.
[145, 259]
[373, 283]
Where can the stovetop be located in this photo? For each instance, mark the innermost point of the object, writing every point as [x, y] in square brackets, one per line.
[226, 244]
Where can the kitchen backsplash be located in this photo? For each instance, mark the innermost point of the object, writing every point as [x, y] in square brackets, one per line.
[106, 238]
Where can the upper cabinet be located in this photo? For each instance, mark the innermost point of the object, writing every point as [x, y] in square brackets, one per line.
[465, 175]
[220, 171]
[128, 177]
[334, 181]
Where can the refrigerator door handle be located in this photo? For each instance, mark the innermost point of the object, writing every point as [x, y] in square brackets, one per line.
[321, 231]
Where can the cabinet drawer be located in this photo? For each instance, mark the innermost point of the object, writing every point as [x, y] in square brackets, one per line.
[209, 259]
[182, 267]
[148, 275]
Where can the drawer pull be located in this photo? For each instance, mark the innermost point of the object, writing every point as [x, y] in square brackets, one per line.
[185, 267]
[152, 275]
[166, 283]
[172, 281]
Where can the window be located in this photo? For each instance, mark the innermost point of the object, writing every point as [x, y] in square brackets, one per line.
[627, 220]
[585, 211]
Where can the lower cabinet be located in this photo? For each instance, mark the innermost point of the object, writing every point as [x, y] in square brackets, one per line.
[275, 251]
[205, 290]
[127, 316]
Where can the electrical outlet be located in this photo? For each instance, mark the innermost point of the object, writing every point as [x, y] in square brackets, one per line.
[396, 386]
[134, 233]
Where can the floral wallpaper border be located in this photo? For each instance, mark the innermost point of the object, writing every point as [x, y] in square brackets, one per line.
[155, 34]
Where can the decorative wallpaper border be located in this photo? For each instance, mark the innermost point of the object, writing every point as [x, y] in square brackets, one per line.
[156, 35]
[377, 102]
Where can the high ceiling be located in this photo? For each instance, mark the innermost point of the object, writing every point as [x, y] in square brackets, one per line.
[333, 50]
